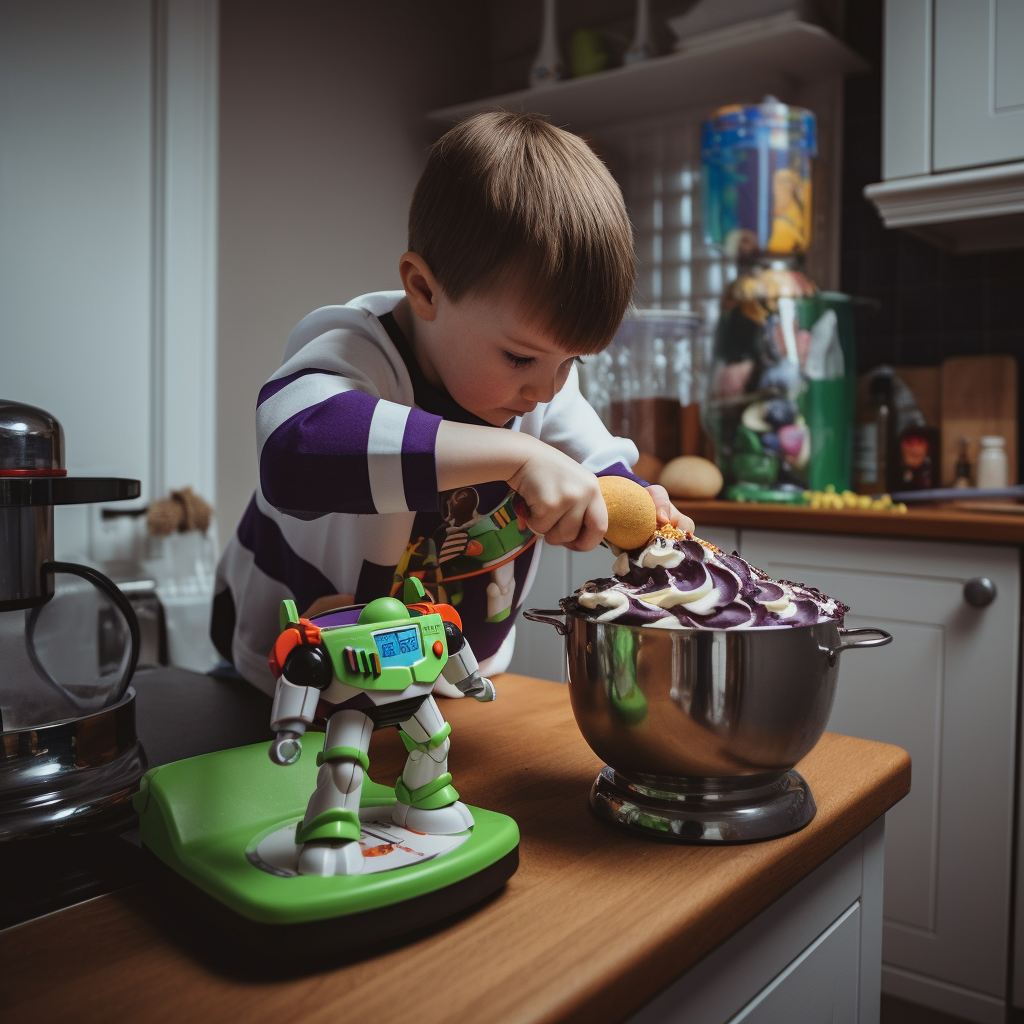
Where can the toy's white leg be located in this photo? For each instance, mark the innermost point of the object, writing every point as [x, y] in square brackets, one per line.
[329, 833]
[426, 799]
[500, 591]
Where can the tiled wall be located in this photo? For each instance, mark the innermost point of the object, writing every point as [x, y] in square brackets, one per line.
[933, 304]
[658, 166]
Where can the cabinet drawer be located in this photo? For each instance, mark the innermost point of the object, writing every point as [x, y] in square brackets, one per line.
[826, 926]
[820, 986]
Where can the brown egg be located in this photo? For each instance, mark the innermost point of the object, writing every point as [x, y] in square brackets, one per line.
[648, 467]
[690, 476]
[632, 517]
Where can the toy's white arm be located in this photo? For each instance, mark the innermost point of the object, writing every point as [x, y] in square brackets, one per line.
[293, 705]
[293, 711]
[462, 670]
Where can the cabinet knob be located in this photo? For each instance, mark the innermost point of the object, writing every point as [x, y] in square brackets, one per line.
[979, 592]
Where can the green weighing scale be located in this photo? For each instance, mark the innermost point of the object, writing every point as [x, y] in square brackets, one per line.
[226, 822]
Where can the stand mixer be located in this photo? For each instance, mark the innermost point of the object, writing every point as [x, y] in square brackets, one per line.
[69, 753]
[700, 729]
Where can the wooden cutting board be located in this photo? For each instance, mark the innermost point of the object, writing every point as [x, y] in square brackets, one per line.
[979, 397]
[926, 383]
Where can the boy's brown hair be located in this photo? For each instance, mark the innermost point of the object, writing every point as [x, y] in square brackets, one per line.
[509, 199]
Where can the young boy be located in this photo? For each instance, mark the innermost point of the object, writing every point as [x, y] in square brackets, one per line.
[439, 431]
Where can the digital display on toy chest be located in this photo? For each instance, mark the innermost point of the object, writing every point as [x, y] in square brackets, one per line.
[398, 646]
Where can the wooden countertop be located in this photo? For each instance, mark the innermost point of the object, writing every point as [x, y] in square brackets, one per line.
[934, 522]
[589, 908]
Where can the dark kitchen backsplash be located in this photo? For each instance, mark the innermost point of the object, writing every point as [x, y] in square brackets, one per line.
[933, 304]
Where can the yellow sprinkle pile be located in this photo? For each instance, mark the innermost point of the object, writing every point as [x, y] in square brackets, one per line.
[830, 498]
[669, 532]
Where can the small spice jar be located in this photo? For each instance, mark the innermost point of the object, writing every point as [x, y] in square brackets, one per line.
[993, 470]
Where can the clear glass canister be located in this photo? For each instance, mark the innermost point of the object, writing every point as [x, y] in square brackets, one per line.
[756, 171]
[643, 382]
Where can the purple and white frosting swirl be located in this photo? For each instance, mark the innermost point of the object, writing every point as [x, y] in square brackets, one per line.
[674, 584]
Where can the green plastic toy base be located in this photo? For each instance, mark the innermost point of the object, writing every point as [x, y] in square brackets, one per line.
[200, 815]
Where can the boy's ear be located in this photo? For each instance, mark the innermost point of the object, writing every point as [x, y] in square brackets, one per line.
[421, 289]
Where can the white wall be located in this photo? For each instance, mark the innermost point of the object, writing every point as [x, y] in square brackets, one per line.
[75, 203]
[107, 218]
[321, 143]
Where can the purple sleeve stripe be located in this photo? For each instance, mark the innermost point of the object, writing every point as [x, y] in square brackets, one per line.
[316, 460]
[272, 387]
[274, 556]
[419, 468]
[620, 469]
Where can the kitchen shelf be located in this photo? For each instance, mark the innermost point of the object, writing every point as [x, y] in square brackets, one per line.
[742, 61]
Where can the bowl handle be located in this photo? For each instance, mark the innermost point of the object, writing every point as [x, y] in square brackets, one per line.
[547, 615]
[867, 637]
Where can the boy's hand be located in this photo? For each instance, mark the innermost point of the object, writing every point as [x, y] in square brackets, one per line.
[668, 514]
[565, 503]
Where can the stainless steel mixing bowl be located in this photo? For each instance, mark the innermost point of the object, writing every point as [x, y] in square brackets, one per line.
[704, 719]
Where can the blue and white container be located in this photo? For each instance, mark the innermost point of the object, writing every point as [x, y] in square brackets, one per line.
[756, 167]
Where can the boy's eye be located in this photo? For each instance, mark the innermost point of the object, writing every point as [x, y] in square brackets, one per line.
[518, 361]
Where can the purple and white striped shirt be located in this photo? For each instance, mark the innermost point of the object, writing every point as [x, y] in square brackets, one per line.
[346, 434]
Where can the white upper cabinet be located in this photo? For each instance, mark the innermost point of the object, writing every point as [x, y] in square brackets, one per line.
[953, 132]
[979, 83]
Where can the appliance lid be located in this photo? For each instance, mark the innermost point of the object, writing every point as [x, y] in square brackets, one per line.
[31, 441]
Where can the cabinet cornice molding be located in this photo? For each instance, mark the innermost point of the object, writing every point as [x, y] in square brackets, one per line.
[955, 206]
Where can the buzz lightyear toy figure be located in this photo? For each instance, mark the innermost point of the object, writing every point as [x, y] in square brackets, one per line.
[376, 671]
[385, 861]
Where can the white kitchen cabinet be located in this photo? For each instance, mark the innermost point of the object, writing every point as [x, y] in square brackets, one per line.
[953, 126]
[811, 957]
[944, 690]
[954, 85]
[540, 650]
[978, 79]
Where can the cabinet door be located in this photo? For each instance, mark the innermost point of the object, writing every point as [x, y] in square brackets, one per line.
[820, 986]
[944, 690]
[978, 106]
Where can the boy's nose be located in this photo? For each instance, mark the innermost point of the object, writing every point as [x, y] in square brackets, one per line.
[540, 391]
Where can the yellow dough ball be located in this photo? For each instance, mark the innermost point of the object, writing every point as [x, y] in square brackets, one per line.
[632, 517]
[690, 476]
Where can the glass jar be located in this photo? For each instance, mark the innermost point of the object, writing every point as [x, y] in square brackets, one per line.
[643, 381]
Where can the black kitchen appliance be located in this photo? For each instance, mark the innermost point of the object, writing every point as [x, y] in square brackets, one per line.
[69, 753]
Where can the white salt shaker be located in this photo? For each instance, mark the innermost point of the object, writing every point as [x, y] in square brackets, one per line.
[992, 465]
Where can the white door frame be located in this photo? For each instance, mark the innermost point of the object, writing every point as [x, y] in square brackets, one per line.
[184, 266]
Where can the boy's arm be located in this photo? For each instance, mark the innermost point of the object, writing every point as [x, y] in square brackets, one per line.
[564, 500]
[327, 445]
